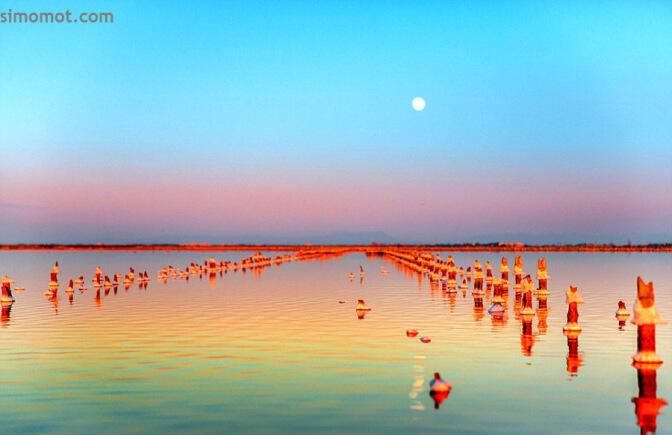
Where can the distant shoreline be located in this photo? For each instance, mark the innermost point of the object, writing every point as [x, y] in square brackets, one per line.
[494, 247]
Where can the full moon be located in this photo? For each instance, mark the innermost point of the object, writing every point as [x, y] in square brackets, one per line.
[418, 104]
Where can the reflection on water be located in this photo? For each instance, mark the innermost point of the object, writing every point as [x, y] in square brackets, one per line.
[6, 310]
[574, 360]
[647, 405]
[527, 337]
[438, 398]
[419, 387]
[273, 350]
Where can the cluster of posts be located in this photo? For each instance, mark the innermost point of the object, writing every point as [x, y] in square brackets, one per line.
[646, 361]
[445, 273]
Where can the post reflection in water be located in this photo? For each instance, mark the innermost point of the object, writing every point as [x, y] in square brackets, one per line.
[53, 299]
[574, 359]
[517, 305]
[6, 310]
[478, 308]
[647, 405]
[452, 300]
[542, 325]
[526, 337]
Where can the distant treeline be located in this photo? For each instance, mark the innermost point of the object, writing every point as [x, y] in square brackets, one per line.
[374, 247]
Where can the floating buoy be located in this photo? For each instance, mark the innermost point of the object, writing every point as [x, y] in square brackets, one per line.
[438, 385]
[497, 309]
[438, 390]
[361, 306]
[411, 333]
[622, 315]
[622, 312]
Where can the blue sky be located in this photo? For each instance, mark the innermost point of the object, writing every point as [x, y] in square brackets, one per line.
[542, 119]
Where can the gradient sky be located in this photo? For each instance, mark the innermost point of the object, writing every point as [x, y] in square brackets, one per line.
[287, 121]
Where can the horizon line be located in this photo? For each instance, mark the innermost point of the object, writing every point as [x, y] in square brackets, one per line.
[372, 247]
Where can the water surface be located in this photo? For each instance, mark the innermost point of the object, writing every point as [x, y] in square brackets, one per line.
[275, 352]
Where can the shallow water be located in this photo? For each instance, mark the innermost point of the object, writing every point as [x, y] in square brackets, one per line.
[275, 352]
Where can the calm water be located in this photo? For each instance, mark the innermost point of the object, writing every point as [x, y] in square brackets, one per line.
[276, 352]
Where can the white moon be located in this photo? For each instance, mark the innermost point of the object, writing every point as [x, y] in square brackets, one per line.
[418, 104]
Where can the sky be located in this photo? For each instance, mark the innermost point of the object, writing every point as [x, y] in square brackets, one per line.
[292, 122]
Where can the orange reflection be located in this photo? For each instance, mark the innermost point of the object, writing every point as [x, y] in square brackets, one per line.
[452, 302]
[647, 405]
[439, 398]
[517, 306]
[6, 310]
[574, 360]
[478, 308]
[499, 320]
[53, 298]
[542, 325]
[526, 336]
